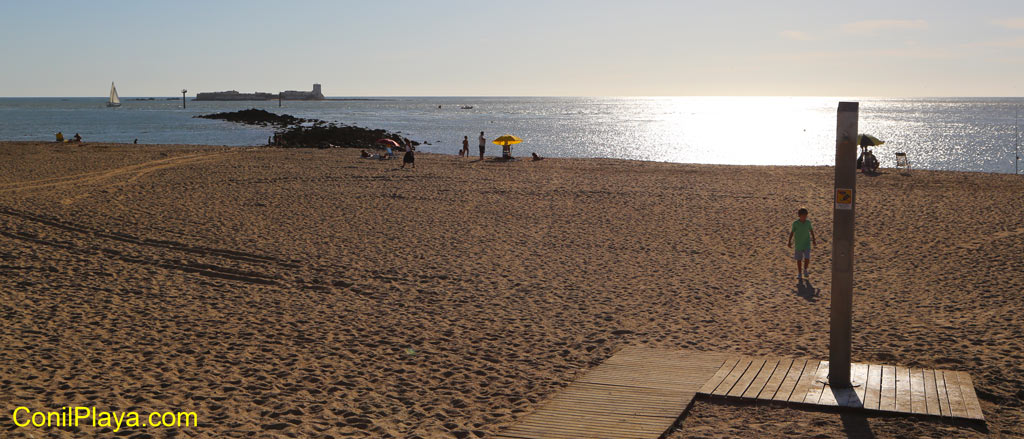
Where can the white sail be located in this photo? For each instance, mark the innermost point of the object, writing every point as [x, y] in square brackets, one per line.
[114, 100]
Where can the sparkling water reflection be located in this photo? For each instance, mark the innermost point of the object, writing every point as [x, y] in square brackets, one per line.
[937, 133]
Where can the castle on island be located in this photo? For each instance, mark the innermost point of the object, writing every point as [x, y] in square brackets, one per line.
[290, 95]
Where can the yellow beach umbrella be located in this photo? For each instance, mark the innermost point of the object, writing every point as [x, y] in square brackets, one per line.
[507, 139]
[868, 140]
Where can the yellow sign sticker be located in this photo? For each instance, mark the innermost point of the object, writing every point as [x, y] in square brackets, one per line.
[844, 199]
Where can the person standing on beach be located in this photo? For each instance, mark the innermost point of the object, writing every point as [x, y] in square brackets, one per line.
[804, 234]
[483, 144]
[408, 158]
[465, 146]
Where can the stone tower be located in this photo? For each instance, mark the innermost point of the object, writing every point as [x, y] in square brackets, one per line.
[316, 91]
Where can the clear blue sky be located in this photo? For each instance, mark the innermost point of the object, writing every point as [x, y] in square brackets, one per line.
[523, 47]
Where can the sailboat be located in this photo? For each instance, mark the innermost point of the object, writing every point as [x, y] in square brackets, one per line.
[114, 101]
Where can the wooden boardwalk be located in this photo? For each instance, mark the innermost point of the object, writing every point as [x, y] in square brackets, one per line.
[637, 393]
[641, 392]
[884, 388]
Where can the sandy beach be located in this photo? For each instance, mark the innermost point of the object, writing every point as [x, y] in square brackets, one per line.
[314, 294]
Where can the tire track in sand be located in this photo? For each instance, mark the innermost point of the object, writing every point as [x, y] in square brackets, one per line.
[135, 171]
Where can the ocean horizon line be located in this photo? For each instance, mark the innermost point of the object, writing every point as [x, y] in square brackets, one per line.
[552, 96]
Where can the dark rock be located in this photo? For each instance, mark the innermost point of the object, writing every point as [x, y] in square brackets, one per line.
[294, 132]
[254, 116]
[331, 135]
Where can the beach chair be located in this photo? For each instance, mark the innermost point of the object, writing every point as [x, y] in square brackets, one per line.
[903, 163]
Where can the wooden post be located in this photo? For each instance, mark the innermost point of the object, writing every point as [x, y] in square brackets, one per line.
[842, 245]
[279, 99]
[183, 91]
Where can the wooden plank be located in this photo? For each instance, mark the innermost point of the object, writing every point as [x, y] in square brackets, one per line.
[596, 421]
[639, 394]
[730, 380]
[855, 397]
[647, 408]
[548, 424]
[956, 399]
[668, 384]
[887, 398]
[903, 390]
[600, 395]
[806, 381]
[555, 431]
[763, 375]
[940, 391]
[817, 387]
[970, 397]
[649, 427]
[873, 388]
[587, 428]
[789, 383]
[747, 378]
[775, 381]
[931, 397]
[719, 376]
[917, 393]
[830, 397]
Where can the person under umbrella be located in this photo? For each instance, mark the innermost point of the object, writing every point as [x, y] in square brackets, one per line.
[389, 145]
[865, 141]
[506, 143]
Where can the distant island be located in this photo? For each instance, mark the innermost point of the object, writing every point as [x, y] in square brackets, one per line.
[290, 95]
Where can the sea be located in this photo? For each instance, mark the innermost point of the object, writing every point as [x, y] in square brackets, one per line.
[960, 134]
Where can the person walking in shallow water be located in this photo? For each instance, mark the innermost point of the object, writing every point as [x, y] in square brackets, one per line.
[804, 234]
[465, 146]
[483, 145]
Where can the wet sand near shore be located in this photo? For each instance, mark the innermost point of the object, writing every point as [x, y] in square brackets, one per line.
[311, 293]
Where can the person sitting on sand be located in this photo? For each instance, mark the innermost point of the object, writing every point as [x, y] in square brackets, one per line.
[77, 138]
[870, 162]
[60, 137]
[804, 234]
[364, 154]
[536, 157]
[409, 157]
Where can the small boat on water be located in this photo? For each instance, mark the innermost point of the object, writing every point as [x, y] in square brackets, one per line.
[114, 100]
[467, 107]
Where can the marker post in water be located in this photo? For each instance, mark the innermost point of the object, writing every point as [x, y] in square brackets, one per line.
[845, 196]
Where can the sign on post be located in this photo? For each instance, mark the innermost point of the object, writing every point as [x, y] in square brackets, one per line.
[840, 335]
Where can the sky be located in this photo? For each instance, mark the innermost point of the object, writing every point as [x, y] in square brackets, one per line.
[864, 48]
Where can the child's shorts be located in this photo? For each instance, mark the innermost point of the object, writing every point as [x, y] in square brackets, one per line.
[802, 254]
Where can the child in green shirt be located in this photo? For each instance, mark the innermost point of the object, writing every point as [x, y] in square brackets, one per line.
[804, 234]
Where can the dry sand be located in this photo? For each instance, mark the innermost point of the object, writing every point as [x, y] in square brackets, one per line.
[310, 293]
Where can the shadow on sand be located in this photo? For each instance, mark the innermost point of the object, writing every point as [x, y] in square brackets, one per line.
[807, 291]
[856, 426]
